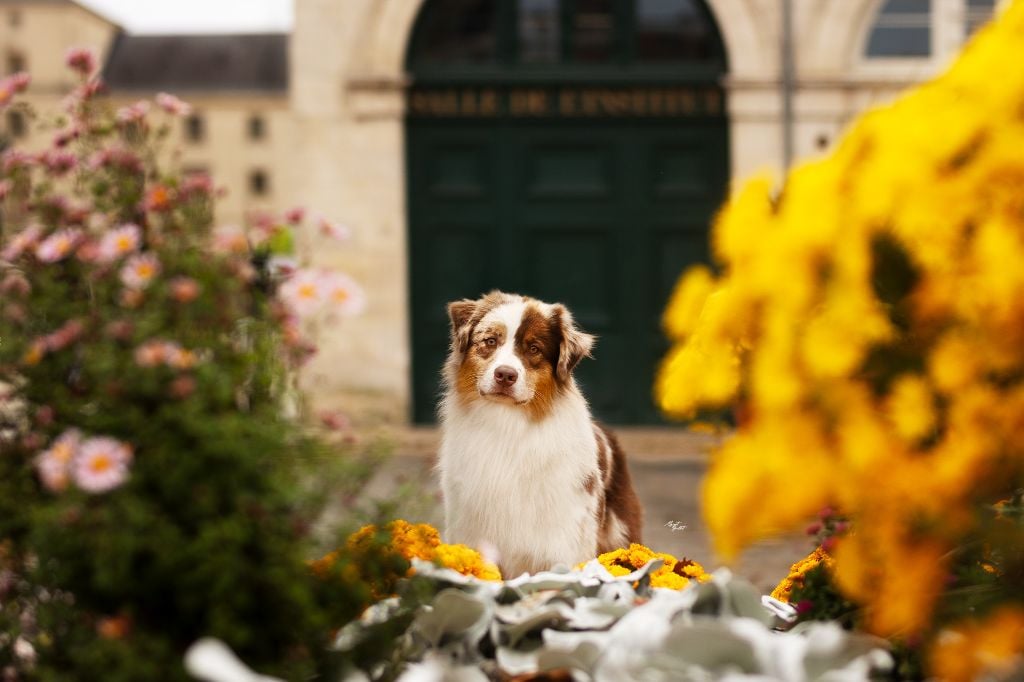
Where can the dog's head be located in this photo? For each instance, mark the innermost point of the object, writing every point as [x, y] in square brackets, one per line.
[513, 349]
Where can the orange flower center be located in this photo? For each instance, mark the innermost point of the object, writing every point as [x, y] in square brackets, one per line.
[101, 463]
[62, 452]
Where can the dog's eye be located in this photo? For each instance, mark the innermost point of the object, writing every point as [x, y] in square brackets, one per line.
[534, 348]
[491, 342]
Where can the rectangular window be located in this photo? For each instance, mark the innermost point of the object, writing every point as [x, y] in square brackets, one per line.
[16, 62]
[16, 126]
[259, 183]
[593, 31]
[195, 128]
[257, 127]
[979, 13]
[540, 34]
[903, 28]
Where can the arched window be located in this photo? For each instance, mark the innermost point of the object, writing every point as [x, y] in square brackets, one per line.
[459, 31]
[487, 34]
[902, 28]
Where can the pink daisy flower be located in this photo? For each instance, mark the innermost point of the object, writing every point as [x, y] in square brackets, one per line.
[59, 162]
[101, 464]
[282, 267]
[140, 270]
[119, 242]
[294, 216]
[15, 158]
[54, 464]
[68, 333]
[15, 284]
[19, 81]
[229, 239]
[133, 113]
[343, 293]
[64, 137]
[173, 105]
[151, 353]
[334, 230]
[195, 183]
[179, 358]
[21, 242]
[184, 289]
[58, 245]
[81, 59]
[303, 292]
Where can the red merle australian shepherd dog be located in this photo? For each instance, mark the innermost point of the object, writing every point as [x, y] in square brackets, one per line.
[524, 468]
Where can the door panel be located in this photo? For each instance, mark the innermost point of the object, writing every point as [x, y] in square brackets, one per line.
[562, 172]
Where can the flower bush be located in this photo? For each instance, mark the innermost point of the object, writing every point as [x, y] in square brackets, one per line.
[867, 326]
[403, 542]
[151, 490]
[422, 541]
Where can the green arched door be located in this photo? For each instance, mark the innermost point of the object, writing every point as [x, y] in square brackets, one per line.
[572, 150]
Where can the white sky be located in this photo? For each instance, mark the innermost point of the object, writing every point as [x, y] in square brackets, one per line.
[196, 16]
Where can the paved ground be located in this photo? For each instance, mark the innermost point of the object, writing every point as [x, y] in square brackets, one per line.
[667, 478]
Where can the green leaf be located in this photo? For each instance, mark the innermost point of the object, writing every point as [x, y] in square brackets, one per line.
[282, 242]
[454, 613]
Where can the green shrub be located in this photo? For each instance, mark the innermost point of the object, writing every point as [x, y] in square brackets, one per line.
[151, 491]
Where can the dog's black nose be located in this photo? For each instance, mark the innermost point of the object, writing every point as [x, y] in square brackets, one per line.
[505, 375]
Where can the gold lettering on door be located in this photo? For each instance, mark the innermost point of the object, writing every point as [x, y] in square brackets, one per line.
[528, 103]
[567, 102]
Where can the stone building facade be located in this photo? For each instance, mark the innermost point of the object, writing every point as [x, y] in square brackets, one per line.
[525, 144]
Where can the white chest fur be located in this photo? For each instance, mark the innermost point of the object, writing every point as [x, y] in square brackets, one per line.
[517, 484]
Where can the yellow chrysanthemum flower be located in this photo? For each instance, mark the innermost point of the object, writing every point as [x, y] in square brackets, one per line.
[415, 541]
[870, 315]
[674, 574]
[798, 571]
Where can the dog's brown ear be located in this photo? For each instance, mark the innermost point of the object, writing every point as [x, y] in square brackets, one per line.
[574, 346]
[461, 315]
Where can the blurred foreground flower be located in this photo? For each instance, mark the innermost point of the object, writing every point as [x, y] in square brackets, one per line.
[869, 322]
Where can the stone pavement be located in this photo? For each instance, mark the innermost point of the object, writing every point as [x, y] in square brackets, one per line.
[667, 466]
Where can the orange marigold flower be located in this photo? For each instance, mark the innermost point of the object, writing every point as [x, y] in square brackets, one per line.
[798, 571]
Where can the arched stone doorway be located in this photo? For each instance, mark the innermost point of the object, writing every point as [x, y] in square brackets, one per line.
[572, 150]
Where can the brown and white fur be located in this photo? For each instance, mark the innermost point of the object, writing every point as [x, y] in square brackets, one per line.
[524, 468]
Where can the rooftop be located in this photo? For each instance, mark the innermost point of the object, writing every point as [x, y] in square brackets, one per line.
[184, 63]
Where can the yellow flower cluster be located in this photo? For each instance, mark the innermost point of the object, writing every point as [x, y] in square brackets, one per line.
[419, 541]
[989, 649]
[797, 572]
[674, 573]
[869, 323]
